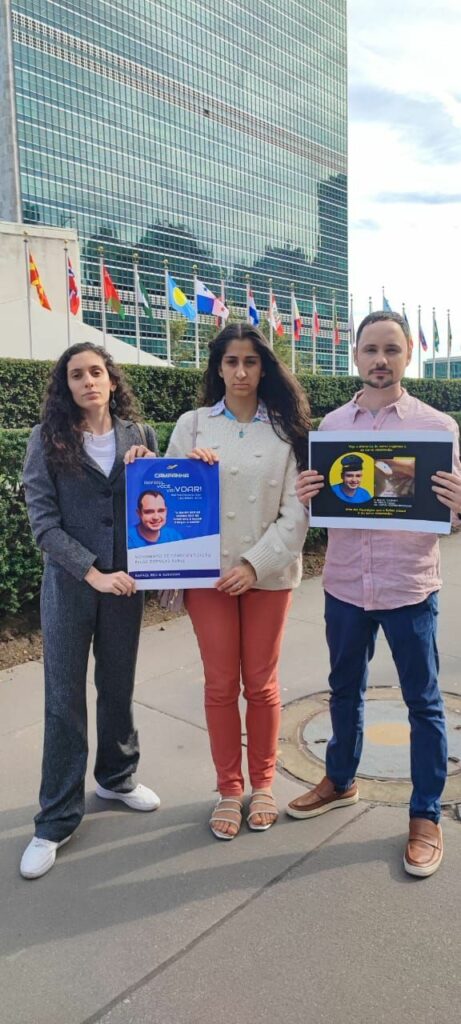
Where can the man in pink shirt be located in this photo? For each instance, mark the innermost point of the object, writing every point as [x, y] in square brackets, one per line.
[388, 579]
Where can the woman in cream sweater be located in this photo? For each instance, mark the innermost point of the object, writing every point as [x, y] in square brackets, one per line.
[255, 422]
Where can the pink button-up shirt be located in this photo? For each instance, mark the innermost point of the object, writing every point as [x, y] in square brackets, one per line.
[376, 569]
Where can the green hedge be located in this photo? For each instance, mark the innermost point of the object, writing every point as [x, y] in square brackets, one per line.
[164, 394]
[20, 561]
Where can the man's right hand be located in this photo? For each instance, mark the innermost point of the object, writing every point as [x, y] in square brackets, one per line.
[118, 583]
[308, 485]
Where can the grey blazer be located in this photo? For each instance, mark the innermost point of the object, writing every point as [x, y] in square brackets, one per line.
[78, 520]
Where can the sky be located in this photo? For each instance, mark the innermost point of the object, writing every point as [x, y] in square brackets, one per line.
[405, 161]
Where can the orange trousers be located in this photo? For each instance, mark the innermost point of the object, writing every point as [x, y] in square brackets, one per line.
[240, 639]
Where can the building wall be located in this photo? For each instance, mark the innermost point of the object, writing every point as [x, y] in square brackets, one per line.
[440, 366]
[208, 133]
[10, 201]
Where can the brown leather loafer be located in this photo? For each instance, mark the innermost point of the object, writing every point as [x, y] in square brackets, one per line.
[424, 851]
[321, 799]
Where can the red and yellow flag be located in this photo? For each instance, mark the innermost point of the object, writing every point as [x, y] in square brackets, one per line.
[35, 281]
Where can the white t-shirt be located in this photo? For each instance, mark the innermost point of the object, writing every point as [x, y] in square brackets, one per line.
[100, 448]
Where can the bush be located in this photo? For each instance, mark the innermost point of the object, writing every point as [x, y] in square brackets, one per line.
[20, 559]
[163, 431]
[165, 393]
[457, 417]
[327, 393]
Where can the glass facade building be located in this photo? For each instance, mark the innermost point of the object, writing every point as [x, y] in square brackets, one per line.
[438, 368]
[205, 133]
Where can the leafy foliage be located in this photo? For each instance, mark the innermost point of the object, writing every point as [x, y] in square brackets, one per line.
[164, 393]
[20, 559]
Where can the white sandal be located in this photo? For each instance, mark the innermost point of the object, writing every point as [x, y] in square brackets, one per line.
[268, 806]
[223, 806]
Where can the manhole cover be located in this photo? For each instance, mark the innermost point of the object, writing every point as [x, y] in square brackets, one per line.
[384, 770]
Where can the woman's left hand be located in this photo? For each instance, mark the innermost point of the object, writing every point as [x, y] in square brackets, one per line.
[238, 580]
[204, 455]
[138, 451]
[447, 487]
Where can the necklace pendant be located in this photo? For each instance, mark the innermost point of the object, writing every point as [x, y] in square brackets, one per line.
[241, 433]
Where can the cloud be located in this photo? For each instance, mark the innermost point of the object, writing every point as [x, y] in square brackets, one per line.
[424, 122]
[366, 224]
[426, 198]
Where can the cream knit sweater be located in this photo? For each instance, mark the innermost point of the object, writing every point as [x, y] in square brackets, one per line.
[262, 520]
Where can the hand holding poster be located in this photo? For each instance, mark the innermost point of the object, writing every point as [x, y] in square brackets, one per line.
[379, 482]
[172, 510]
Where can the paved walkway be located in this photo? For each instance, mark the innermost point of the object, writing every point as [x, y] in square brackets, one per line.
[147, 920]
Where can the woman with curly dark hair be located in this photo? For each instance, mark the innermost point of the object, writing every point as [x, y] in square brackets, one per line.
[74, 484]
[255, 420]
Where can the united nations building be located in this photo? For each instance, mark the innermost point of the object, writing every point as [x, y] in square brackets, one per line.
[202, 132]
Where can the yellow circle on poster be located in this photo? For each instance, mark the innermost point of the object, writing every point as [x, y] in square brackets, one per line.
[367, 470]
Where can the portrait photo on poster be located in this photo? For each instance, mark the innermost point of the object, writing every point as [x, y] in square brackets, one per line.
[172, 523]
[380, 482]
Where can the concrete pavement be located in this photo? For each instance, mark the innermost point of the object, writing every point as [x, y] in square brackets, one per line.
[146, 918]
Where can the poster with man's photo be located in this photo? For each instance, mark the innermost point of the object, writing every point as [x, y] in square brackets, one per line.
[374, 481]
[172, 518]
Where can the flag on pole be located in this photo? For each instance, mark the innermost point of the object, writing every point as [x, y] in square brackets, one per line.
[386, 305]
[335, 325]
[422, 338]
[351, 328]
[253, 314]
[435, 334]
[449, 341]
[141, 295]
[74, 297]
[315, 320]
[111, 294]
[35, 281]
[178, 300]
[297, 322]
[209, 303]
[274, 317]
[404, 317]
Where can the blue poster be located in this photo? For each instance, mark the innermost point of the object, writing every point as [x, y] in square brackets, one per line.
[172, 519]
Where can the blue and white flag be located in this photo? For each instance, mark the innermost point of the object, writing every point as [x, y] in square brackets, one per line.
[253, 314]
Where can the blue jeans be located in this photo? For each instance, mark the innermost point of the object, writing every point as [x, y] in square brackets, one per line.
[411, 634]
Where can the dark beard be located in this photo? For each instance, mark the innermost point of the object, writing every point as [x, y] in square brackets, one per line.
[379, 385]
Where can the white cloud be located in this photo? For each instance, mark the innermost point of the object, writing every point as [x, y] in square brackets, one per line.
[405, 158]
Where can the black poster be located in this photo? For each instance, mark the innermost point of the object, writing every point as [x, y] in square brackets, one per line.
[380, 482]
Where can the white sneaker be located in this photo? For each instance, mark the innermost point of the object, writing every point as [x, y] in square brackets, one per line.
[139, 799]
[39, 857]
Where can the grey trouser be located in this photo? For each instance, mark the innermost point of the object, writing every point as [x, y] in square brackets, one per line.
[73, 614]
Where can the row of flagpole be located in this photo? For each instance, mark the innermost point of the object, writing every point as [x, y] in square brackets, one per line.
[33, 280]
[206, 302]
[421, 341]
